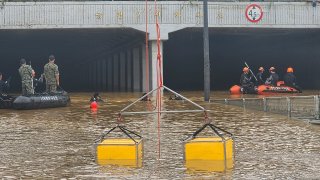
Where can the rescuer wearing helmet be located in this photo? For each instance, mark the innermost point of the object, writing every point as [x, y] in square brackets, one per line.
[146, 98]
[273, 79]
[175, 97]
[245, 81]
[260, 77]
[290, 79]
[96, 97]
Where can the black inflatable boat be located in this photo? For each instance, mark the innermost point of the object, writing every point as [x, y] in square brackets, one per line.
[6, 101]
[37, 101]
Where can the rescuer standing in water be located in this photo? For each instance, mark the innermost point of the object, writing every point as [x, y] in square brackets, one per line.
[245, 81]
[26, 73]
[260, 77]
[146, 98]
[96, 97]
[51, 74]
[290, 79]
[273, 79]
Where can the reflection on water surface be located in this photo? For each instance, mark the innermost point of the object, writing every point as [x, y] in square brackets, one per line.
[59, 143]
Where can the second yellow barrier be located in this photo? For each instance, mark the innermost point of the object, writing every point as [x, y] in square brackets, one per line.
[209, 148]
[119, 148]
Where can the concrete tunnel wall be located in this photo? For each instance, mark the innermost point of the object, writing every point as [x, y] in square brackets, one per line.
[113, 59]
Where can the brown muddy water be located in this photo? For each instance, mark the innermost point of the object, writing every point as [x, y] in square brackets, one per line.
[59, 143]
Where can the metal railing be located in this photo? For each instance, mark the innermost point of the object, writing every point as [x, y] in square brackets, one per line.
[301, 107]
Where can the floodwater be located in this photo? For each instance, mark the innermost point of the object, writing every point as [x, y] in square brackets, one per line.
[59, 143]
[226, 94]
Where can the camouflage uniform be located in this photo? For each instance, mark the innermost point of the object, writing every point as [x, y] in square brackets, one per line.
[50, 71]
[25, 72]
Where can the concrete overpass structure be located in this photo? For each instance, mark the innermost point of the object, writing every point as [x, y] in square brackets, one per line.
[115, 59]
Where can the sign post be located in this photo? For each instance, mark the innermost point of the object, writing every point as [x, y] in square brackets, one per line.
[206, 52]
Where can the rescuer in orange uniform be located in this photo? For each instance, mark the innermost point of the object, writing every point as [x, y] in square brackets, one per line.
[273, 78]
[260, 77]
[290, 79]
[245, 81]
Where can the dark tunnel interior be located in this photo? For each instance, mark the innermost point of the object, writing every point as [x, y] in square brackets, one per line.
[71, 48]
[231, 47]
[182, 53]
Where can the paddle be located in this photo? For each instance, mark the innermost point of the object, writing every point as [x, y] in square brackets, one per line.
[251, 71]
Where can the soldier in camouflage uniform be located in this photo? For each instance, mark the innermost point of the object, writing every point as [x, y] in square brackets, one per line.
[51, 74]
[26, 73]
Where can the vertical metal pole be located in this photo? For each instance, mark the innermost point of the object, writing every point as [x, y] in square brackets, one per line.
[264, 104]
[244, 103]
[233, 150]
[316, 101]
[318, 107]
[289, 106]
[137, 154]
[206, 52]
[225, 154]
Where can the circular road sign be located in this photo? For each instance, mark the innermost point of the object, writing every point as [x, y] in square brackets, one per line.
[254, 13]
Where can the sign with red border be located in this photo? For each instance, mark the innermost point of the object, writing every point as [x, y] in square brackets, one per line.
[254, 13]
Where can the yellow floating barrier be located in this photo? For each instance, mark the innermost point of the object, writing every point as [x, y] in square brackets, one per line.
[122, 148]
[134, 163]
[209, 148]
[208, 165]
[216, 151]
[120, 151]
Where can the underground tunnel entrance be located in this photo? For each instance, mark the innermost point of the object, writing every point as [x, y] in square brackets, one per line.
[231, 47]
[182, 54]
[71, 47]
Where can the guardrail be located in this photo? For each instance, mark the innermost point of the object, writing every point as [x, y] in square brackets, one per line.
[301, 107]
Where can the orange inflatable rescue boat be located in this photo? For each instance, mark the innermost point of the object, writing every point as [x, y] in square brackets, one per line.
[266, 89]
[235, 89]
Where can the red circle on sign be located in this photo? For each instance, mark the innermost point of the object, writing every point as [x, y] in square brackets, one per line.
[250, 17]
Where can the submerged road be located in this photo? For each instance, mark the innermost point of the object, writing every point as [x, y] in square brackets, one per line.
[59, 143]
